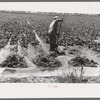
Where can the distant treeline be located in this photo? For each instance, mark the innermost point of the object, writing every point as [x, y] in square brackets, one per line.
[46, 13]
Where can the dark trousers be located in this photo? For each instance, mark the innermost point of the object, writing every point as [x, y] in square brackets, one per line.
[53, 44]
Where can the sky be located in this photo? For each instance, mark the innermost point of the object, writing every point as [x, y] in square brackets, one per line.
[62, 7]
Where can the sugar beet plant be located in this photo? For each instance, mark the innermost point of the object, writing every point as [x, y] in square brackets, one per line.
[76, 29]
[15, 31]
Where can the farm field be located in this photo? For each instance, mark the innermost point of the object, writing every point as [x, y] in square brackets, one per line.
[25, 55]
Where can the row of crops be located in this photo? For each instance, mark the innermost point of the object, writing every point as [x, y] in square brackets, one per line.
[76, 30]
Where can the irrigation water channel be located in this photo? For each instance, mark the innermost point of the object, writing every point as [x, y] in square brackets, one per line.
[6, 51]
[65, 68]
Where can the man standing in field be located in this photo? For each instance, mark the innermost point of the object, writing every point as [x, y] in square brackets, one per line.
[53, 33]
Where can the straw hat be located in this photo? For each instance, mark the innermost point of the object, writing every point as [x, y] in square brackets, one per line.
[56, 17]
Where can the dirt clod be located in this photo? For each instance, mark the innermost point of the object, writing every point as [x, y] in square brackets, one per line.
[14, 61]
[82, 61]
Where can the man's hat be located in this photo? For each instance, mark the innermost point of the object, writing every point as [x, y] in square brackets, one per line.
[56, 17]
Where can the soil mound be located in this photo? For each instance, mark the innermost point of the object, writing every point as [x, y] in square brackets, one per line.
[14, 61]
[46, 61]
[82, 61]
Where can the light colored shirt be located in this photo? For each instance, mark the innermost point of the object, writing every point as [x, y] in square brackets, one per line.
[53, 26]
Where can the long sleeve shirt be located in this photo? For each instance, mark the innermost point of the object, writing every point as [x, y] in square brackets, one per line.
[53, 26]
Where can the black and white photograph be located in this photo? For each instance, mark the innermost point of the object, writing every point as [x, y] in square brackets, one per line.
[55, 42]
